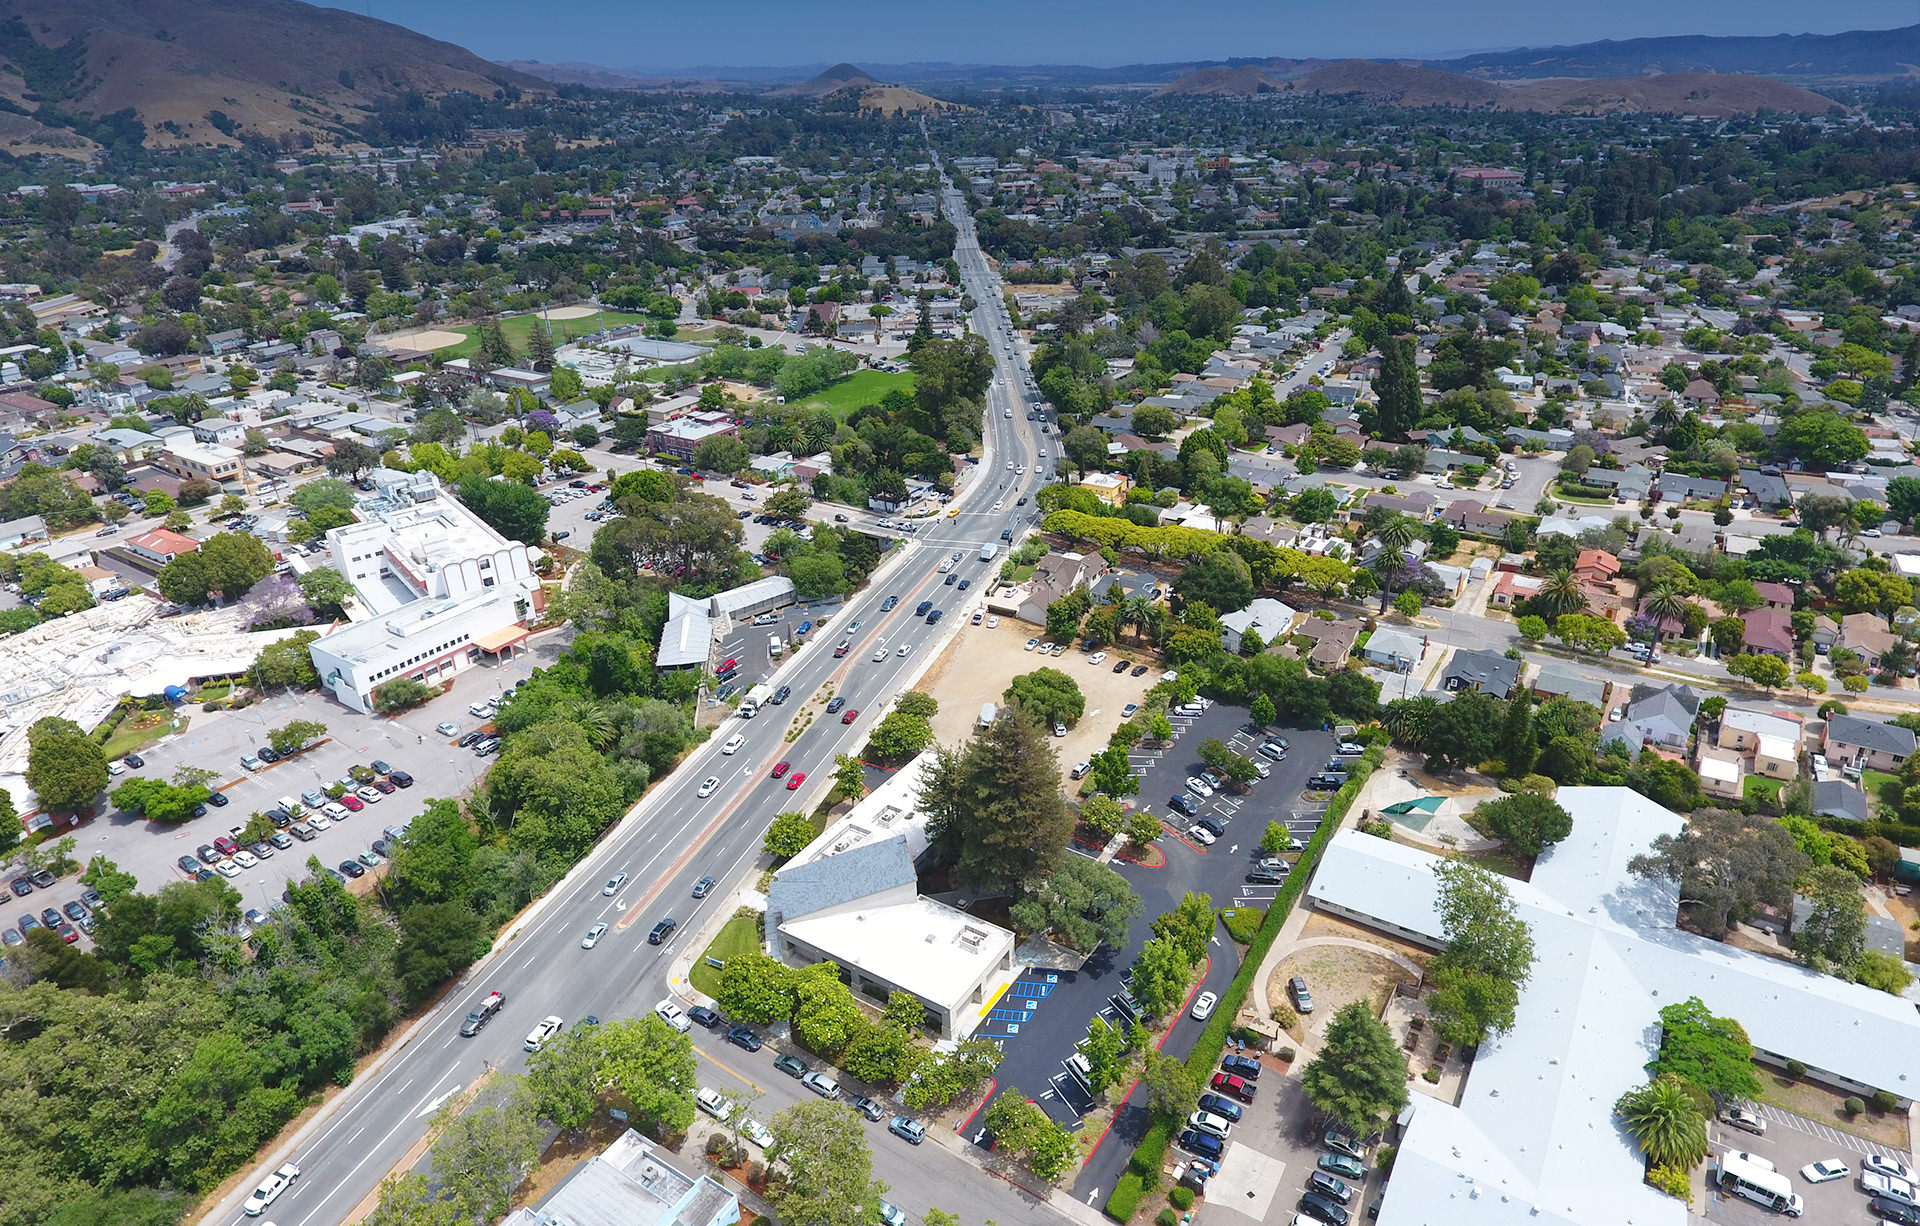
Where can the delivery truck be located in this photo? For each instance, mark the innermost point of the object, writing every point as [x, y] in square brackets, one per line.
[756, 697]
[988, 550]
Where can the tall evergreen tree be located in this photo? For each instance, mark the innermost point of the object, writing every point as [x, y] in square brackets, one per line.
[540, 348]
[1393, 298]
[994, 809]
[494, 345]
[1517, 745]
[1397, 389]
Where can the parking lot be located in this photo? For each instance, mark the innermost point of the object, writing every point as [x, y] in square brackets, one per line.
[1790, 1143]
[215, 740]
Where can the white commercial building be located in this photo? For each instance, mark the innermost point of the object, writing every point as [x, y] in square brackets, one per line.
[1533, 1139]
[440, 587]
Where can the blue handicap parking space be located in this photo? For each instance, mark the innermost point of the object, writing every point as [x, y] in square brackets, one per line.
[1017, 1006]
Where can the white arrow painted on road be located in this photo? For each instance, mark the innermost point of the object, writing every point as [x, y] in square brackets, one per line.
[1235, 848]
[979, 1136]
[1214, 940]
[434, 1106]
[1092, 1194]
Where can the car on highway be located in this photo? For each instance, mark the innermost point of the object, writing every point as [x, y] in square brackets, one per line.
[703, 887]
[834, 704]
[880, 653]
[673, 1015]
[742, 1037]
[270, 1189]
[709, 786]
[911, 1131]
[482, 1014]
[781, 768]
[549, 1026]
[593, 936]
[613, 885]
[733, 745]
[852, 714]
[661, 931]
[795, 780]
[793, 1066]
[904, 649]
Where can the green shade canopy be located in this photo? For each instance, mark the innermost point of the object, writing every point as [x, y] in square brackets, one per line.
[1427, 804]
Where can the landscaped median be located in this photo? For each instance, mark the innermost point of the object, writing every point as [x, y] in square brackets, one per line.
[1143, 1171]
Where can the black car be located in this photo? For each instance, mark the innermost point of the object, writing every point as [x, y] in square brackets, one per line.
[1265, 876]
[782, 694]
[471, 738]
[1325, 1208]
[51, 917]
[1327, 783]
[353, 868]
[921, 611]
[1183, 804]
[1121, 666]
[834, 704]
[704, 1016]
[134, 760]
[74, 911]
[381, 847]
[952, 578]
[21, 887]
[400, 779]
[280, 818]
[740, 1036]
[1241, 1066]
[1897, 1212]
[1211, 825]
[266, 754]
[1203, 1143]
[661, 931]
[218, 800]
[1139, 670]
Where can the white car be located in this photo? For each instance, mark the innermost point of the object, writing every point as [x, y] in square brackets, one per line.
[227, 868]
[1097, 657]
[538, 1036]
[1206, 1121]
[318, 821]
[1032, 643]
[446, 729]
[673, 1015]
[481, 710]
[334, 810]
[593, 936]
[879, 654]
[904, 649]
[733, 744]
[1824, 1170]
[270, 1189]
[755, 1131]
[1198, 787]
[369, 794]
[1203, 1006]
[245, 859]
[1881, 1165]
[1201, 835]
[992, 622]
[709, 785]
[713, 1102]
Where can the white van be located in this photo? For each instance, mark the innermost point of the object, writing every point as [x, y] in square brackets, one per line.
[538, 1036]
[733, 744]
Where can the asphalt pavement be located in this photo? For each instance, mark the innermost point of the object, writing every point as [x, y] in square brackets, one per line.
[672, 837]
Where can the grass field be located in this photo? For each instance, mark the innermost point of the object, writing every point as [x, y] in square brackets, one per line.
[738, 936]
[859, 389]
[519, 327]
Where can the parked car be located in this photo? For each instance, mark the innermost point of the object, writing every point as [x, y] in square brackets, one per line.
[1745, 1120]
[742, 1037]
[793, 1066]
[1241, 1066]
[1302, 998]
[909, 1130]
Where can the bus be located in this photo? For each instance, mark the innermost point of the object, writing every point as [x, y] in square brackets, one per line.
[1739, 1177]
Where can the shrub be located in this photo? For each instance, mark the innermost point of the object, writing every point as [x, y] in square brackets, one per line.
[1884, 1101]
[1182, 1198]
[1853, 1106]
[1796, 1069]
[1285, 1017]
[1431, 1076]
[1673, 1181]
[1286, 1053]
[1126, 1197]
[1242, 923]
[1167, 1217]
[1383, 1158]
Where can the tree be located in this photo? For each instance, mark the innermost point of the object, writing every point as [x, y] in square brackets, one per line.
[1727, 865]
[1359, 1076]
[1021, 1127]
[652, 1065]
[295, 734]
[1666, 1122]
[565, 1077]
[1170, 1085]
[1105, 1048]
[829, 1170]
[1584, 633]
[513, 510]
[1518, 744]
[1527, 821]
[721, 453]
[1488, 958]
[1159, 976]
[1220, 580]
[1834, 934]
[1470, 733]
[788, 835]
[353, 460]
[65, 768]
[285, 664]
[788, 504]
[1082, 903]
[1766, 671]
[1397, 388]
[1048, 694]
[1822, 439]
[228, 564]
[756, 988]
[1533, 628]
[482, 1153]
[437, 941]
[994, 809]
[1113, 773]
[898, 736]
[1708, 1052]
[327, 590]
[849, 777]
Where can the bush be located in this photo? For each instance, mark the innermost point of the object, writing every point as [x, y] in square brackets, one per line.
[1126, 1197]
[1431, 1076]
[1286, 1053]
[1673, 1181]
[1182, 1198]
[1853, 1106]
[1383, 1158]
[1167, 1217]
[1285, 1017]
[1796, 1069]
[1243, 923]
[1884, 1101]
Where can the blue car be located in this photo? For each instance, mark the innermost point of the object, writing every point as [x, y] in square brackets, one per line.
[1220, 1106]
[1203, 1143]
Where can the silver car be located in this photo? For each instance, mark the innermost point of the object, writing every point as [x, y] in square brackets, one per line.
[593, 936]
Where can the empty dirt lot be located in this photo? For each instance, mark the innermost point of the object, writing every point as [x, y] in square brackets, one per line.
[980, 663]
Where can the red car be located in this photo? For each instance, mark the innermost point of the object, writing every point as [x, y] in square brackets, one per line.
[68, 932]
[353, 802]
[799, 777]
[728, 667]
[780, 768]
[848, 717]
[225, 845]
[383, 787]
[1239, 1087]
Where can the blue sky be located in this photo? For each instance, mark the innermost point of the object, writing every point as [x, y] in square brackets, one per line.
[662, 34]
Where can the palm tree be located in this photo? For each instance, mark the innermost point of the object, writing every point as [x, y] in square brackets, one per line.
[1668, 1124]
[595, 717]
[1390, 565]
[1398, 533]
[1562, 594]
[1664, 604]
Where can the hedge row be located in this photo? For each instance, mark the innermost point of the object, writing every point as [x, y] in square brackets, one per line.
[1143, 1170]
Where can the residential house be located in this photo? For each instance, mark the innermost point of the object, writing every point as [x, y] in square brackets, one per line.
[1777, 595]
[1655, 715]
[1556, 682]
[1867, 634]
[17, 532]
[1596, 566]
[1769, 631]
[1770, 742]
[1268, 618]
[1393, 649]
[1842, 799]
[160, 546]
[1512, 588]
[1484, 672]
[1472, 515]
[1417, 503]
[1850, 741]
[1332, 641]
[1826, 633]
[1054, 576]
[1630, 484]
[1678, 487]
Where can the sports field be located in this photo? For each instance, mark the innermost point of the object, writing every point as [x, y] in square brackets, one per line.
[517, 328]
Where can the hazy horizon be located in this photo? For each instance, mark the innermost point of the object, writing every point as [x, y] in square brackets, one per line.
[1109, 33]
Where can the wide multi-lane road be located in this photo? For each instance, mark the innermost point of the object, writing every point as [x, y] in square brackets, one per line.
[675, 836]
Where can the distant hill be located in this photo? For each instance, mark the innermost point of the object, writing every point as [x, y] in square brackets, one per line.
[834, 80]
[573, 72]
[1410, 85]
[200, 71]
[1854, 54]
[1221, 81]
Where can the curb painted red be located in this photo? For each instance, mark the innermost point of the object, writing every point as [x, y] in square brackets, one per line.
[993, 1087]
